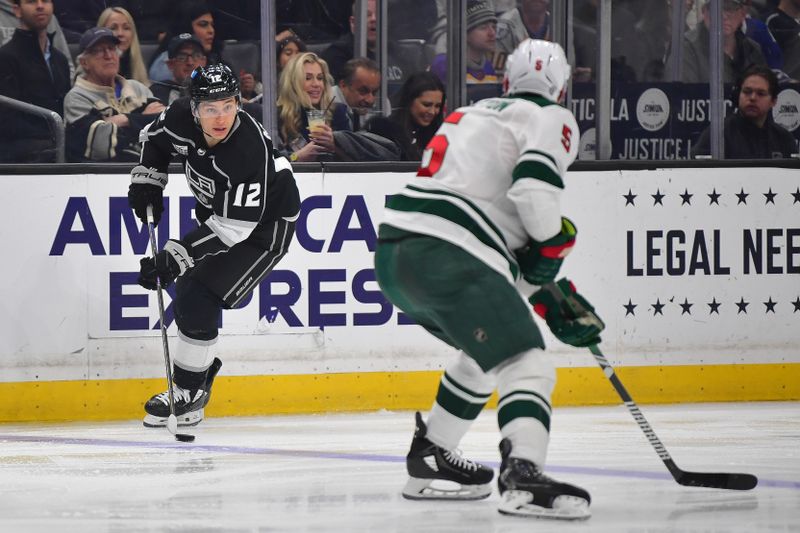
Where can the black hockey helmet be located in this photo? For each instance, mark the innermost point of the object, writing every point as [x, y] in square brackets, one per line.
[214, 82]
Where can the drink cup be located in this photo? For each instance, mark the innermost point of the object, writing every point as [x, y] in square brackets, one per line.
[316, 118]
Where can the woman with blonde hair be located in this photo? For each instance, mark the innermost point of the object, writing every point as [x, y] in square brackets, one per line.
[131, 62]
[305, 85]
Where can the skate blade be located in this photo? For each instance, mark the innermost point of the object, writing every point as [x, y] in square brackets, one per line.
[439, 489]
[517, 503]
[185, 420]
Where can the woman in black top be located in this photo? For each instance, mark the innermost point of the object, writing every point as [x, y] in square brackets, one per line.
[416, 117]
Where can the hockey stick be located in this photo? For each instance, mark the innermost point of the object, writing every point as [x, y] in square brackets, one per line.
[690, 479]
[172, 421]
[732, 481]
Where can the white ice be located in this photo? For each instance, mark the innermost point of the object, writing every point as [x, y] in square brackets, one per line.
[344, 472]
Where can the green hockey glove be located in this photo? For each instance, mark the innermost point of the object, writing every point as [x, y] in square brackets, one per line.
[539, 261]
[569, 315]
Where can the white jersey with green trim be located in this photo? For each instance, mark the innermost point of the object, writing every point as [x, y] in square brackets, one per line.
[491, 179]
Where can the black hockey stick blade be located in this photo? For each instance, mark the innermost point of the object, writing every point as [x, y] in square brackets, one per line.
[717, 481]
[732, 481]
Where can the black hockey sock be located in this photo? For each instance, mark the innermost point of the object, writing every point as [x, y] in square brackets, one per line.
[187, 379]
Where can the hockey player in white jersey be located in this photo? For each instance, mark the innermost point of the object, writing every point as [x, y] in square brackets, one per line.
[461, 248]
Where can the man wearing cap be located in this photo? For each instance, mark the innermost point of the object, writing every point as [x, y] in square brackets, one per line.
[184, 53]
[32, 70]
[481, 41]
[740, 52]
[104, 112]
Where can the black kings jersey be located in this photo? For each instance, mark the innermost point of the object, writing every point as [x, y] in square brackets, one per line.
[240, 184]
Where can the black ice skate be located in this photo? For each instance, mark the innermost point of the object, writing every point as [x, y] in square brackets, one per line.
[439, 474]
[525, 491]
[189, 404]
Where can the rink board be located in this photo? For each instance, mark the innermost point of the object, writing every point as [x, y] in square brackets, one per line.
[696, 274]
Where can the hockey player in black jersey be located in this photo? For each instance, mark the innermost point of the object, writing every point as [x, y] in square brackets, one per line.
[247, 205]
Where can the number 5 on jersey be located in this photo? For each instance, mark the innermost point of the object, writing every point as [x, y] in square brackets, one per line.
[433, 155]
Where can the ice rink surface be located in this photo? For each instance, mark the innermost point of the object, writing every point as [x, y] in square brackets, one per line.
[343, 473]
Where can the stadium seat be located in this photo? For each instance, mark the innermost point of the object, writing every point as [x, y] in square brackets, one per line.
[243, 55]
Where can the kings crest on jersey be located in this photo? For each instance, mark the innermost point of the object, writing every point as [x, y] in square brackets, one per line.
[238, 193]
[496, 183]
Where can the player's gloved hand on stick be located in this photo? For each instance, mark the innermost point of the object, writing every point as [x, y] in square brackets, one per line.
[140, 195]
[168, 264]
[147, 188]
[539, 262]
[569, 315]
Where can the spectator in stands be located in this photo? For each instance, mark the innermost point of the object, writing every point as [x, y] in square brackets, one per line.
[358, 90]
[784, 25]
[649, 56]
[304, 86]
[481, 41]
[131, 63]
[9, 24]
[401, 62]
[287, 47]
[185, 53]
[750, 132]
[740, 52]
[784, 22]
[32, 70]
[341, 51]
[530, 20]
[419, 113]
[197, 18]
[105, 112]
[757, 30]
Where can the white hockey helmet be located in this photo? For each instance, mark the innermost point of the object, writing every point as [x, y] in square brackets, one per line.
[537, 66]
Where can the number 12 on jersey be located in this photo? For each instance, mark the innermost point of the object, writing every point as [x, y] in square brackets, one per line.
[251, 200]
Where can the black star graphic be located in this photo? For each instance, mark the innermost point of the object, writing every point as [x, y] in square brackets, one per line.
[629, 198]
[686, 307]
[796, 195]
[686, 197]
[714, 197]
[657, 308]
[796, 305]
[770, 305]
[714, 306]
[742, 305]
[742, 196]
[770, 197]
[629, 308]
[657, 197]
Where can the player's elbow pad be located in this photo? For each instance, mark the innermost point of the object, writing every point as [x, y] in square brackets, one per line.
[539, 262]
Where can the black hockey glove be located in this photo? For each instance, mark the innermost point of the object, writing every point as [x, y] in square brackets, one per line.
[539, 262]
[147, 188]
[141, 195]
[168, 264]
[569, 315]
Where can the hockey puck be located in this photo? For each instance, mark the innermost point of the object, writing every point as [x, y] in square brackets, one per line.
[184, 437]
